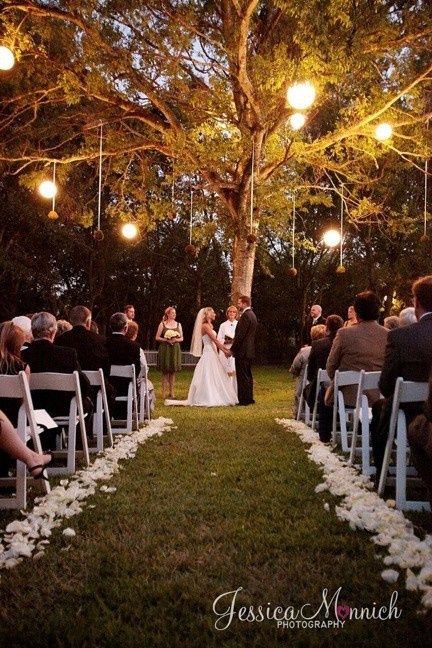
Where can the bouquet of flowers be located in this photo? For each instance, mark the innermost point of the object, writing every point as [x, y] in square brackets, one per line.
[170, 334]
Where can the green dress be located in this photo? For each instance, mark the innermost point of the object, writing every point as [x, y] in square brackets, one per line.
[169, 355]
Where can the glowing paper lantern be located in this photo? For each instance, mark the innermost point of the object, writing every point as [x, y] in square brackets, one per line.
[383, 132]
[297, 121]
[301, 95]
[129, 231]
[47, 189]
[7, 59]
[332, 238]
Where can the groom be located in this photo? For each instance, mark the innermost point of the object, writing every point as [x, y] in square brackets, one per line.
[243, 350]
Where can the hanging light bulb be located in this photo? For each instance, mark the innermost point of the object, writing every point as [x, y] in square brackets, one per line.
[301, 95]
[383, 132]
[297, 121]
[7, 58]
[129, 231]
[47, 189]
[332, 238]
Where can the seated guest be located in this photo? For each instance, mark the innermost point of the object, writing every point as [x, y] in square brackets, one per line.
[299, 364]
[320, 351]
[409, 355]
[359, 347]
[121, 351]
[62, 327]
[24, 323]
[407, 316]
[13, 447]
[11, 341]
[132, 334]
[89, 346]
[391, 322]
[44, 356]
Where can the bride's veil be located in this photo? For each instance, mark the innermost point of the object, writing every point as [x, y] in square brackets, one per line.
[196, 342]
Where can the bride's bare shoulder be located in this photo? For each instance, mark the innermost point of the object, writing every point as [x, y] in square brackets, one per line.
[207, 328]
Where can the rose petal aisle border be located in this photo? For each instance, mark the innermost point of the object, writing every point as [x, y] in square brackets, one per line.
[363, 509]
[27, 537]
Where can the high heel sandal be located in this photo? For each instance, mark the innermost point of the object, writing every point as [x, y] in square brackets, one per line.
[40, 474]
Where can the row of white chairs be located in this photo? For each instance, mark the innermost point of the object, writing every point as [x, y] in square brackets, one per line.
[20, 387]
[347, 420]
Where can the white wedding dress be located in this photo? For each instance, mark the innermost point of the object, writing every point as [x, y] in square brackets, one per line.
[210, 386]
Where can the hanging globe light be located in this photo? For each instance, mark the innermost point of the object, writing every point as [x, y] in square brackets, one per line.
[129, 231]
[332, 238]
[7, 58]
[297, 121]
[47, 189]
[383, 132]
[301, 95]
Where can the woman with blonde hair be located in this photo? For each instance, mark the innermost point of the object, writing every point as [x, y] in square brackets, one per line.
[210, 386]
[169, 335]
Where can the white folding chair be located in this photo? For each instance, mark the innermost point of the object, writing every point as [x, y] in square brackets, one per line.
[302, 401]
[17, 387]
[405, 392]
[342, 379]
[362, 414]
[96, 379]
[127, 371]
[144, 399]
[322, 378]
[65, 383]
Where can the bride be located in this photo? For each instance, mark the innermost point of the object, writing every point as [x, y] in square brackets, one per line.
[210, 386]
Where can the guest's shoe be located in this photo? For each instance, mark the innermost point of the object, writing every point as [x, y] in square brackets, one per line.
[40, 474]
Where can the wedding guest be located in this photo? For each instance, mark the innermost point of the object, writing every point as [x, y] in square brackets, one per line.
[351, 317]
[407, 316]
[13, 447]
[320, 351]
[89, 346]
[62, 327]
[408, 354]
[132, 334]
[169, 335]
[44, 356]
[24, 323]
[11, 341]
[129, 311]
[300, 362]
[391, 322]
[121, 351]
[226, 335]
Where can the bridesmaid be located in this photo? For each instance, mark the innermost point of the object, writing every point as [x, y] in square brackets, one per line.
[169, 335]
[226, 335]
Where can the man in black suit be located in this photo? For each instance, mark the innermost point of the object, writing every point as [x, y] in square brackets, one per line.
[44, 356]
[315, 317]
[121, 351]
[408, 355]
[243, 350]
[90, 347]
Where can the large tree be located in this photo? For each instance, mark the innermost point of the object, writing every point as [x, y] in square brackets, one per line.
[203, 85]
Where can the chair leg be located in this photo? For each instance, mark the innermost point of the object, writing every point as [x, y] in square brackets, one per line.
[401, 463]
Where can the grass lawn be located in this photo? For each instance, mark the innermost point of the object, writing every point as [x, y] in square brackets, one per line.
[225, 501]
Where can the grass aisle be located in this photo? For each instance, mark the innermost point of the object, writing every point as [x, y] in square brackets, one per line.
[225, 501]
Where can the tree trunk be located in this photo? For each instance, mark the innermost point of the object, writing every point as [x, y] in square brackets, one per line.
[243, 267]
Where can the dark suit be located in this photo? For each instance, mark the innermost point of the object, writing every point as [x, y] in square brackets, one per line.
[243, 350]
[44, 356]
[408, 355]
[122, 351]
[90, 347]
[320, 351]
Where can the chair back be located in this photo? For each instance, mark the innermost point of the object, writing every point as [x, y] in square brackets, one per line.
[96, 378]
[123, 371]
[370, 379]
[345, 378]
[54, 381]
